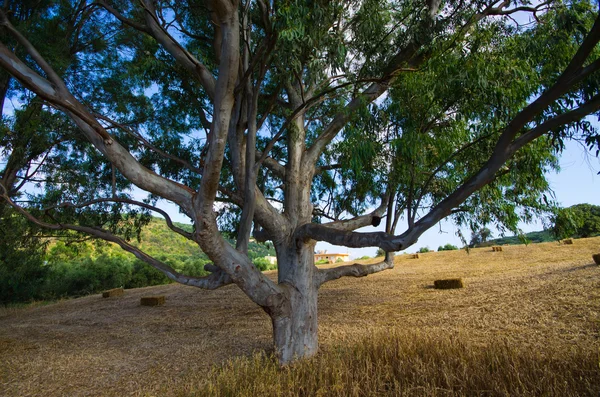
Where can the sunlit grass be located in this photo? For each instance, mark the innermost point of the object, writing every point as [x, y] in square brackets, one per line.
[399, 363]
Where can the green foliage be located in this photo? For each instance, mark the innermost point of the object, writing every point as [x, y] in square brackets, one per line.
[322, 262]
[22, 268]
[338, 260]
[565, 223]
[263, 264]
[363, 257]
[259, 250]
[447, 247]
[438, 133]
[423, 250]
[581, 220]
[86, 276]
[29, 270]
[192, 267]
[143, 275]
[61, 251]
[379, 252]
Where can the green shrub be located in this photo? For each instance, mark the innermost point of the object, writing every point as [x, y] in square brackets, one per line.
[581, 220]
[87, 276]
[22, 267]
[144, 275]
[322, 262]
[193, 267]
[65, 252]
[263, 264]
[447, 247]
[111, 271]
[31, 271]
[423, 250]
[70, 279]
[22, 276]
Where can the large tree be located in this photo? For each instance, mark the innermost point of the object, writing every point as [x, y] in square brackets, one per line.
[270, 117]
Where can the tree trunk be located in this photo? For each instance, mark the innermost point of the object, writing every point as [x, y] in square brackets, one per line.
[295, 329]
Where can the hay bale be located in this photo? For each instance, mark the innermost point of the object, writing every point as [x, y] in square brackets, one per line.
[496, 248]
[596, 258]
[568, 241]
[450, 283]
[152, 300]
[113, 292]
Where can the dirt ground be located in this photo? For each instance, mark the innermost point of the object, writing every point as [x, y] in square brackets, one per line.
[536, 295]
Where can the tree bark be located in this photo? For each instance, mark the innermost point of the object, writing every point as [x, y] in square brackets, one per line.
[295, 328]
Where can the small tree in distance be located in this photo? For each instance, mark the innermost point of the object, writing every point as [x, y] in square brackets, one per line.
[263, 118]
[480, 236]
[447, 247]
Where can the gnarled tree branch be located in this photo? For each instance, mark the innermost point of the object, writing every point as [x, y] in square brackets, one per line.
[354, 270]
[385, 241]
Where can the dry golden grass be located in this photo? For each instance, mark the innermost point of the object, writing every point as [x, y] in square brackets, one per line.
[526, 324]
[113, 293]
[412, 364]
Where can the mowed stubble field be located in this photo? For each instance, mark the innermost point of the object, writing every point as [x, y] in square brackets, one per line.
[542, 297]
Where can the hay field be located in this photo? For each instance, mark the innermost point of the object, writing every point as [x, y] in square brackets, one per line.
[542, 298]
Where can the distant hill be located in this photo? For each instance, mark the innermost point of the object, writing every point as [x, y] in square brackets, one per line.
[543, 236]
[158, 240]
